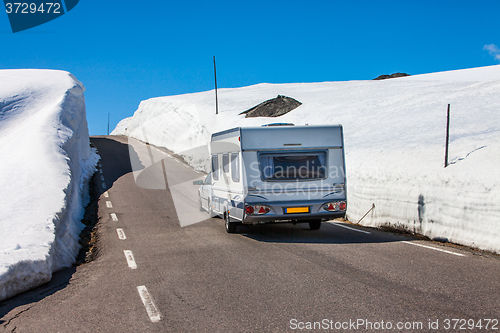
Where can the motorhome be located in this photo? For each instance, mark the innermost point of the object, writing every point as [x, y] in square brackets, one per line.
[274, 174]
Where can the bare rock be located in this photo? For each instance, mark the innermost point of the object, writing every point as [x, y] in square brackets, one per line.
[383, 77]
[273, 107]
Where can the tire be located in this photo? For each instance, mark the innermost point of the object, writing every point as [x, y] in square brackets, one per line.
[315, 225]
[200, 205]
[210, 211]
[230, 226]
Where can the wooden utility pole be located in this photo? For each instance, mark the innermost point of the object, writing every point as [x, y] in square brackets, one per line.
[216, 101]
[447, 137]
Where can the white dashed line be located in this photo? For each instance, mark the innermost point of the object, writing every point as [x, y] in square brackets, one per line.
[162, 152]
[130, 259]
[104, 185]
[114, 217]
[121, 234]
[353, 229]
[147, 300]
[102, 177]
[100, 170]
[178, 161]
[433, 248]
[109, 204]
[106, 194]
[187, 166]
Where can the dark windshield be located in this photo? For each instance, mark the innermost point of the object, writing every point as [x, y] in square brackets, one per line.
[293, 166]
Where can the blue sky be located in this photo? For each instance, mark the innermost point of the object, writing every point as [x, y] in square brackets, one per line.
[125, 51]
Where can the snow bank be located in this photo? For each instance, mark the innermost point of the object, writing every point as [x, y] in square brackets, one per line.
[46, 162]
[394, 140]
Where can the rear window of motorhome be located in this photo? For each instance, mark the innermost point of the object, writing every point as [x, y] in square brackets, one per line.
[294, 166]
[215, 167]
[225, 163]
[235, 167]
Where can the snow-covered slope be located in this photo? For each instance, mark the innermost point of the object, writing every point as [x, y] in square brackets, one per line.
[394, 140]
[46, 160]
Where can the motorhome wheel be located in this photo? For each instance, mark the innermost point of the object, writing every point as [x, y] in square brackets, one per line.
[200, 205]
[230, 227]
[210, 211]
[315, 225]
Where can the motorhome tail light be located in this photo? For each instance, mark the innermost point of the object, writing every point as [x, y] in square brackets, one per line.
[260, 210]
[336, 206]
[249, 210]
[257, 210]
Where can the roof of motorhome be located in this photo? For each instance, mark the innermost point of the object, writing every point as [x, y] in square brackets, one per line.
[267, 126]
[283, 137]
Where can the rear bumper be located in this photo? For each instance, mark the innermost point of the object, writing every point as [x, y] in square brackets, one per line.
[278, 212]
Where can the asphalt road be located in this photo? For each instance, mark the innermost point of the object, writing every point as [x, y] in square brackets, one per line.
[269, 278]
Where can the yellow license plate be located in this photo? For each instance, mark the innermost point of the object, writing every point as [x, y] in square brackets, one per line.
[295, 210]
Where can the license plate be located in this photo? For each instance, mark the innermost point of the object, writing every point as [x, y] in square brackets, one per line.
[295, 210]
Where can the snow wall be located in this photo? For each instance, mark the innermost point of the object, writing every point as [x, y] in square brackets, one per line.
[46, 164]
[394, 132]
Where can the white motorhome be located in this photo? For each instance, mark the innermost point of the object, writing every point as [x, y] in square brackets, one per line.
[276, 174]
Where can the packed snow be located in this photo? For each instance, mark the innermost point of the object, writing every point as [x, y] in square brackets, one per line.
[394, 132]
[46, 163]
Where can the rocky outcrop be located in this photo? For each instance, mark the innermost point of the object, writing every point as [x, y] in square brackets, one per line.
[273, 107]
[383, 77]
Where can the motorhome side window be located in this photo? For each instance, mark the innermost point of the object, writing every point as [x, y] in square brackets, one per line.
[208, 179]
[293, 166]
[225, 163]
[235, 167]
[215, 167]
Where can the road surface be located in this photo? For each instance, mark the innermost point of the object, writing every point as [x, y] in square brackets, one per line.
[152, 275]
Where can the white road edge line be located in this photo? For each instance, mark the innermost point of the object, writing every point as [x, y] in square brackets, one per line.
[147, 300]
[353, 229]
[109, 204]
[130, 259]
[433, 248]
[121, 234]
[162, 152]
[114, 217]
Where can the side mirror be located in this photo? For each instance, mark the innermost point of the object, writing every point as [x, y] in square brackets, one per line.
[198, 182]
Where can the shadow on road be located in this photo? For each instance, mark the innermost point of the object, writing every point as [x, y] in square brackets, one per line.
[328, 234]
[116, 153]
[58, 282]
